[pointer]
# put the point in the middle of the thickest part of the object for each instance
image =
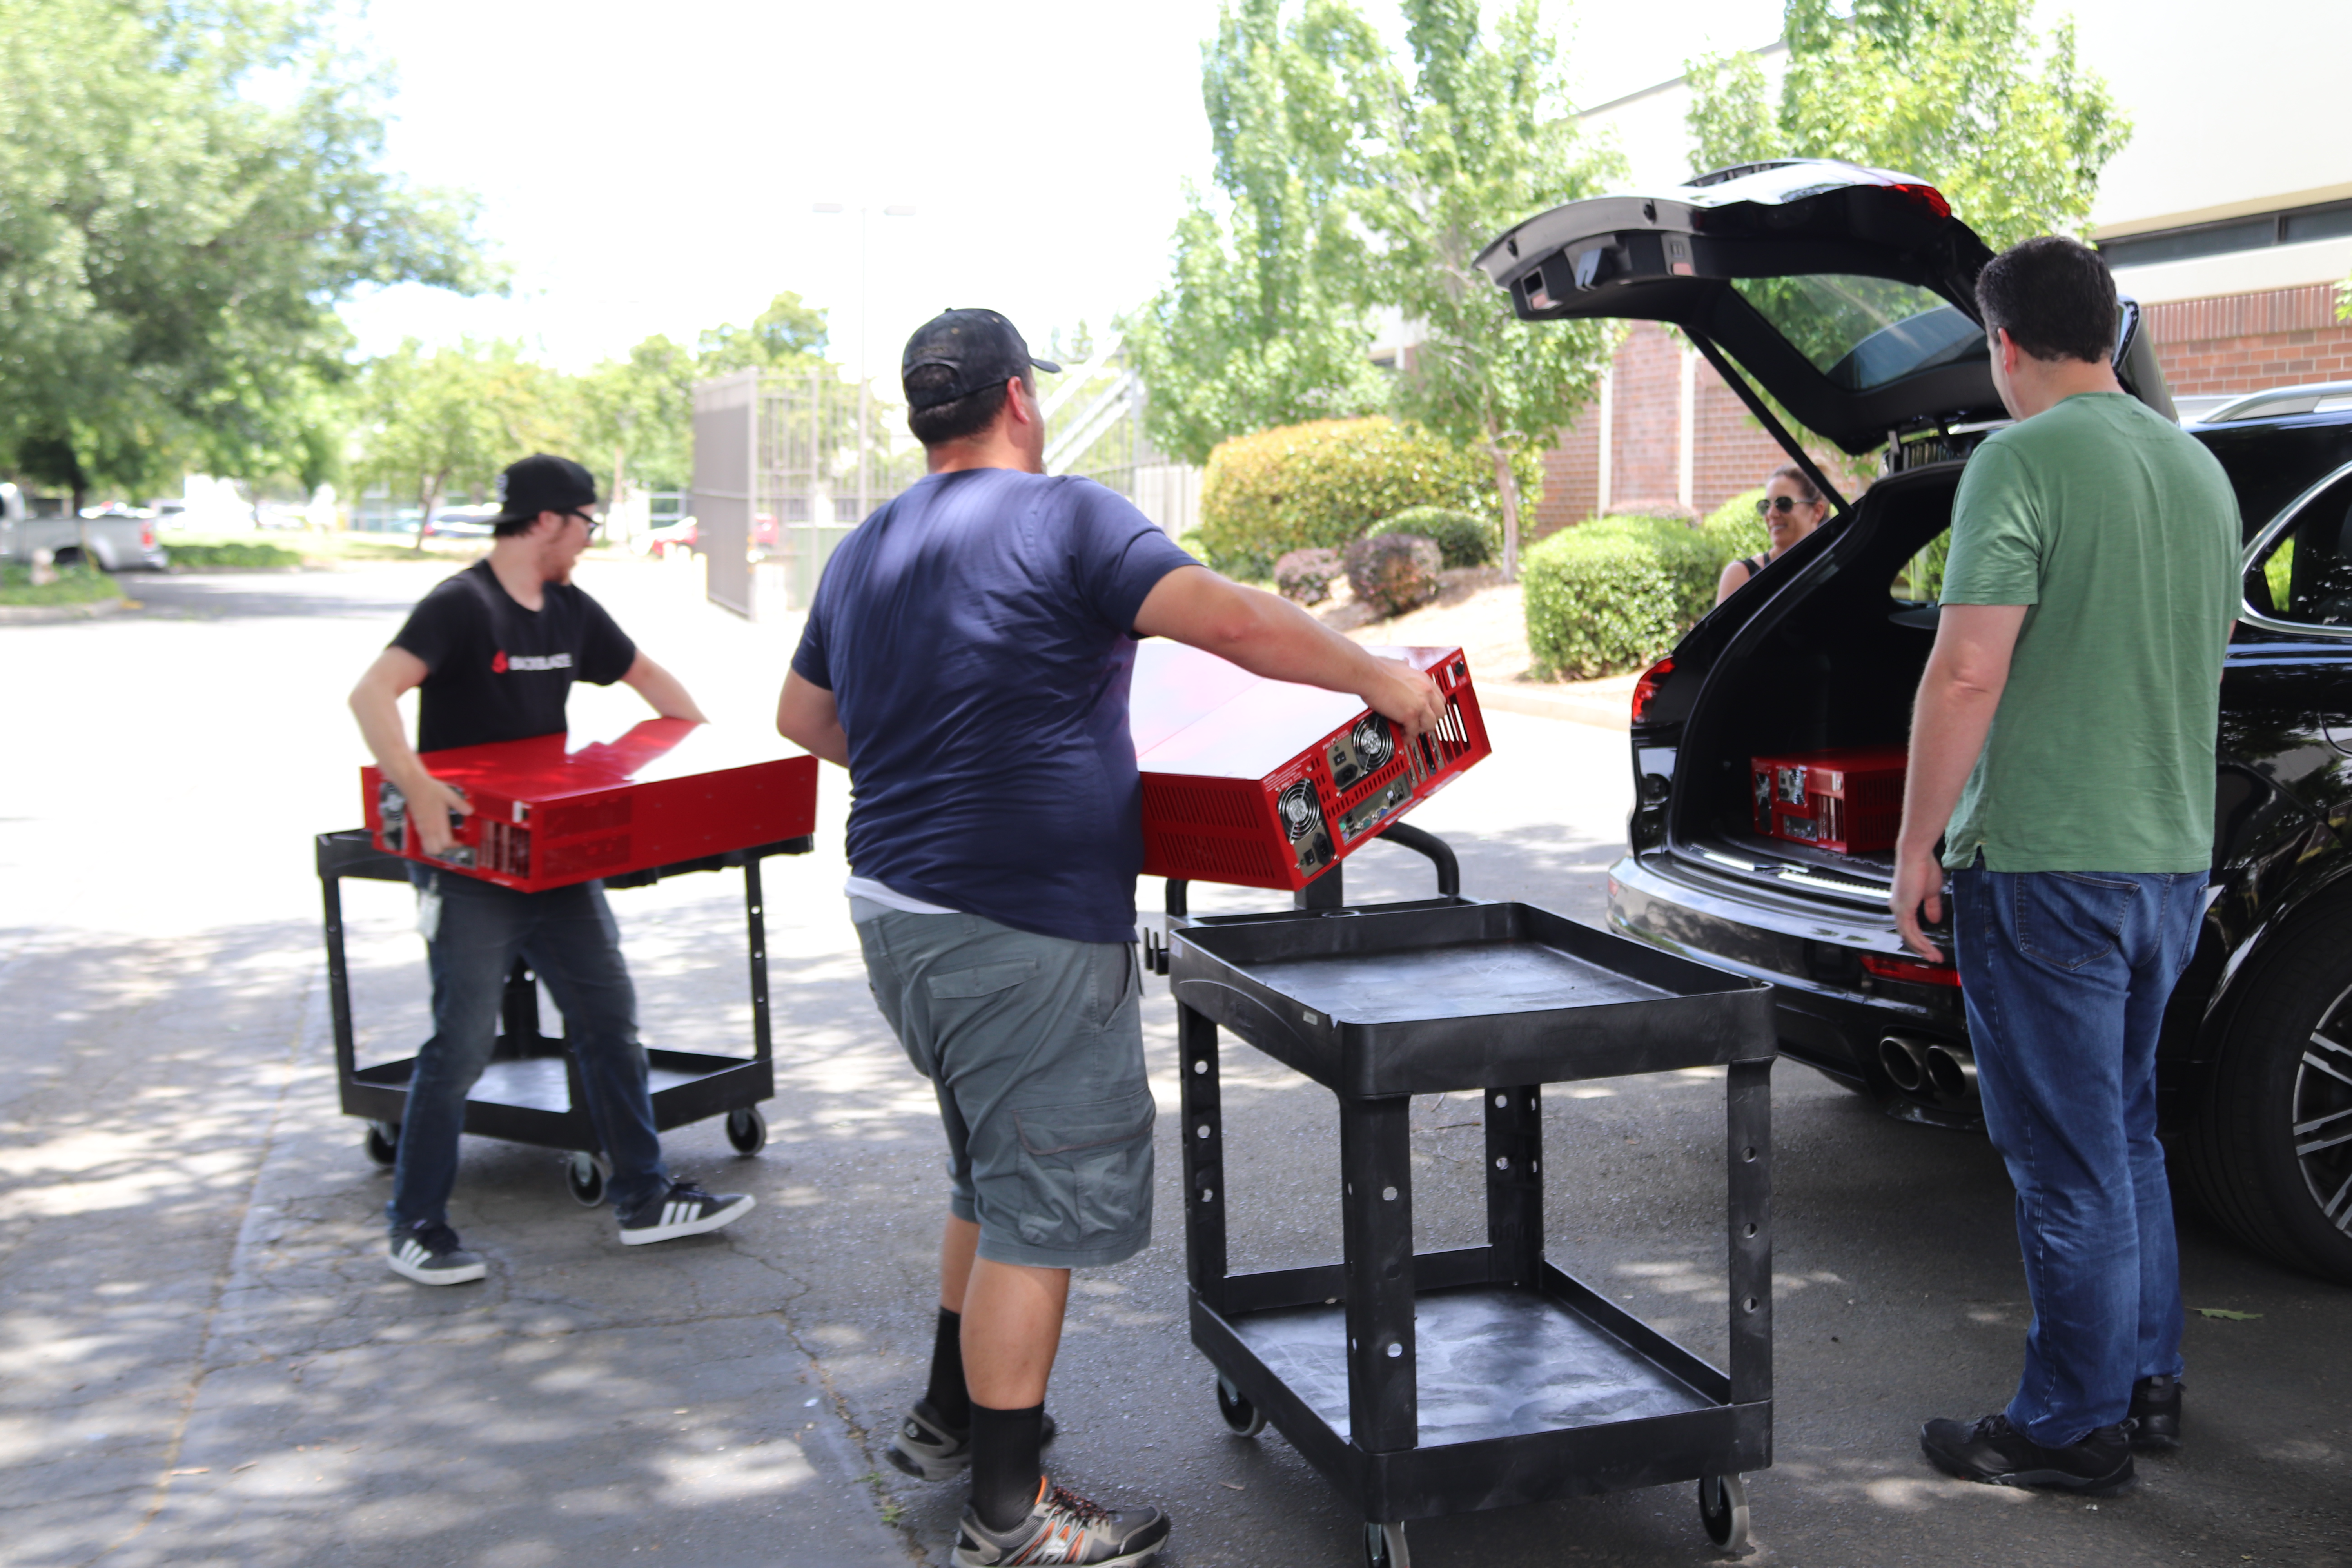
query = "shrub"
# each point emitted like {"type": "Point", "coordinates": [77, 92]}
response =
{"type": "Point", "coordinates": [1614, 596]}
{"type": "Point", "coordinates": [1324, 484]}
{"type": "Point", "coordinates": [1393, 572]}
{"type": "Point", "coordinates": [1462, 538]}
{"type": "Point", "coordinates": [1734, 528]}
{"type": "Point", "coordinates": [233, 552]}
{"type": "Point", "coordinates": [1304, 576]}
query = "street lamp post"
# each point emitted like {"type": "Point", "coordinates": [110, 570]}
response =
{"type": "Point", "coordinates": [865, 384]}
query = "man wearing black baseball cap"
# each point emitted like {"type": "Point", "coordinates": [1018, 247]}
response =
{"type": "Point", "coordinates": [495, 650]}
{"type": "Point", "coordinates": [967, 660]}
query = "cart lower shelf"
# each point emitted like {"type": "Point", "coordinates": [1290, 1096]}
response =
{"type": "Point", "coordinates": [1494, 1362]}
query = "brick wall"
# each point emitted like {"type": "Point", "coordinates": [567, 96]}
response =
{"type": "Point", "coordinates": [2244, 342]}
{"type": "Point", "coordinates": [1732, 453]}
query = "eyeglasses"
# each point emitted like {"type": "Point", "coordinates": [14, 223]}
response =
{"type": "Point", "coordinates": [594, 523]}
{"type": "Point", "coordinates": [1784, 505]}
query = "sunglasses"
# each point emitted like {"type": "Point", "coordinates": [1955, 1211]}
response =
{"type": "Point", "coordinates": [1784, 505]}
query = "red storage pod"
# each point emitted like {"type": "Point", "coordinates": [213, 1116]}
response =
{"type": "Point", "coordinates": [1848, 800]}
{"type": "Point", "coordinates": [1264, 783]}
{"type": "Point", "coordinates": [559, 809]}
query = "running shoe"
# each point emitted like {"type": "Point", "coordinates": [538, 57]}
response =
{"type": "Point", "coordinates": [929, 1450]}
{"type": "Point", "coordinates": [428, 1252]}
{"type": "Point", "coordinates": [1990, 1449]}
{"type": "Point", "coordinates": [1063, 1527]}
{"type": "Point", "coordinates": [684, 1210]}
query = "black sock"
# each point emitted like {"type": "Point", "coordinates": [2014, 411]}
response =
{"type": "Point", "coordinates": [1004, 1465]}
{"type": "Point", "coordinates": [947, 1397]}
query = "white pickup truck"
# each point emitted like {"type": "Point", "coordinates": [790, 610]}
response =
{"type": "Point", "coordinates": [114, 543]}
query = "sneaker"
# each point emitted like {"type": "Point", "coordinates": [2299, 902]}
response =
{"type": "Point", "coordinates": [2156, 1412]}
{"type": "Point", "coordinates": [929, 1450]}
{"type": "Point", "coordinates": [429, 1253]}
{"type": "Point", "coordinates": [1063, 1527]}
{"type": "Point", "coordinates": [684, 1210]}
{"type": "Point", "coordinates": [1990, 1449]}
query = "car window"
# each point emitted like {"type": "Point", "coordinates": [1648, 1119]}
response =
{"type": "Point", "coordinates": [1921, 581]}
{"type": "Point", "coordinates": [1864, 332]}
{"type": "Point", "coordinates": [2307, 576]}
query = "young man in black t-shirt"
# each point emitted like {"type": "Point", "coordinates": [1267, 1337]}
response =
{"type": "Point", "coordinates": [495, 650]}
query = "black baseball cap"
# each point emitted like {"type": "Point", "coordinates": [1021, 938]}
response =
{"type": "Point", "coordinates": [979, 346]}
{"type": "Point", "coordinates": [542, 483]}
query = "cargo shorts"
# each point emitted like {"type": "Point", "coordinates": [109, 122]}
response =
{"type": "Point", "coordinates": [1035, 1046]}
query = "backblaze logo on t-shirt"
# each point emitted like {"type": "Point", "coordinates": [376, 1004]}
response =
{"type": "Point", "coordinates": [501, 664]}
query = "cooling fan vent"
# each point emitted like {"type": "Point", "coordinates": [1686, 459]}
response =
{"type": "Point", "coordinates": [1375, 741]}
{"type": "Point", "coordinates": [1301, 813]}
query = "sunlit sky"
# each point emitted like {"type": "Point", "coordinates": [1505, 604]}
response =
{"type": "Point", "coordinates": [650, 169]}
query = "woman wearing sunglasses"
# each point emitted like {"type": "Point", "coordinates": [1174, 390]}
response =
{"type": "Point", "coordinates": [1791, 510]}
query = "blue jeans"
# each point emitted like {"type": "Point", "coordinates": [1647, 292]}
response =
{"type": "Point", "coordinates": [568, 938]}
{"type": "Point", "coordinates": [2067, 974]}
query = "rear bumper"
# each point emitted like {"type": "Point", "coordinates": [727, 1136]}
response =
{"type": "Point", "coordinates": [1830, 1014]}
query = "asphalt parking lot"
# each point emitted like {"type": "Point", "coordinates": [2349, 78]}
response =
{"type": "Point", "coordinates": [203, 1359]}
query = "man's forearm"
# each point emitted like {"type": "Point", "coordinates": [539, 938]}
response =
{"type": "Point", "coordinates": [386, 737]}
{"type": "Point", "coordinates": [1271, 637]}
{"type": "Point", "coordinates": [1948, 725]}
{"type": "Point", "coordinates": [662, 691]}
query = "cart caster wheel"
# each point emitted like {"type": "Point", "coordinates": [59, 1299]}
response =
{"type": "Point", "coordinates": [1384, 1546]}
{"type": "Point", "coordinates": [747, 1129]}
{"type": "Point", "coordinates": [585, 1174]}
{"type": "Point", "coordinates": [1723, 1508]}
{"type": "Point", "coordinates": [1241, 1418]}
{"type": "Point", "coordinates": [383, 1141]}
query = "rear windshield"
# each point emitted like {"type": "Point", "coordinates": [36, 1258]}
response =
{"type": "Point", "coordinates": [1864, 332]}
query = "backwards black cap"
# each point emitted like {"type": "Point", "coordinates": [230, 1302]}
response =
{"type": "Point", "coordinates": [542, 483]}
{"type": "Point", "coordinates": [980, 347]}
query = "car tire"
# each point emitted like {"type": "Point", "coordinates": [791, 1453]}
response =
{"type": "Point", "coordinates": [2270, 1077]}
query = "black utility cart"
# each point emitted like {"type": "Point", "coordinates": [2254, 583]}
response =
{"type": "Point", "coordinates": [529, 1093]}
{"type": "Point", "coordinates": [1430, 1384]}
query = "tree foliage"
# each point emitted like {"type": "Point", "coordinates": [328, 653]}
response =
{"type": "Point", "coordinates": [1964, 93]}
{"type": "Point", "coordinates": [439, 422]}
{"type": "Point", "coordinates": [1265, 320]}
{"type": "Point", "coordinates": [187, 189]}
{"type": "Point", "coordinates": [1481, 138]}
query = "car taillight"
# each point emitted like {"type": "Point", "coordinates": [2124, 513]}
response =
{"type": "Point", "coordinates": [1914, 970]}
{"type": "Point", "coordinates": [1928, 196]}
{"type": "Point", "coordinates": [146, 536]}
{"type": "Point", "coordinates": [1646, 689]}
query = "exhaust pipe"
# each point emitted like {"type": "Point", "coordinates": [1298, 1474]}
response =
{"type": "Point", "coordinates": [1905, 1062]}
{"type": "Point", "coordinates": [1952, 1075]}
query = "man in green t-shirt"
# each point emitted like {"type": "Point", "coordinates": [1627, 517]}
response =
{"type": "Point", "coordinates": [2061, 747]}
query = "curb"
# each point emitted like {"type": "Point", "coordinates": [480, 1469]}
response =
{"type": "Point", "coordinates": [88, 610]}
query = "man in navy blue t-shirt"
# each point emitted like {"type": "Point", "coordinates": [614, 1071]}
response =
{"type": "Point", "coordinates": [967, 660]}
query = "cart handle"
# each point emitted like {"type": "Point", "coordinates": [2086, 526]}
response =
{"type": "Point", "coordinates": [1440, 854]}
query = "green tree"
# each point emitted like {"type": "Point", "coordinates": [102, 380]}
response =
{"type": "Point", "coordinates": [1964, 93]}
{"type": "Point", "coordinates": [638, 412]}
{"type": "Point", "coordinates": [1264, 322]}
{"type": "Point", "coordinates": [187, 189]}
{"type": "Point", "coordinates": [434, 423]}
{"type": "Point", "coordinates": [1480, 139]}
{"type": "Point", "coordinates": [787, 336]}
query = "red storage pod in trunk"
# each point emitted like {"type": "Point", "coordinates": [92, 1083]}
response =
{"type": "Point", "coordinates": [1848, 800]}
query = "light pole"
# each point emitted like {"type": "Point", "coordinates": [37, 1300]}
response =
{"type": "Point", "coordinates": [864, 384]}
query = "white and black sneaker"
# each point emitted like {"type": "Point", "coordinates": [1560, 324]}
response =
{"type": "Point", "coordinates": [929, 1450]}
{"type": "Point", "coordinates": [684, 1210]}
{"type": "Point", "coordinates": [1063, 1527]}
{"type": "Point", "coordinates": [428, 1252]}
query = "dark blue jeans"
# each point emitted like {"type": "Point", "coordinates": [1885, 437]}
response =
{"type": "Point", "coordinates": [568, 938]}
{"type": "Point", "coordinates": [2067, 976]}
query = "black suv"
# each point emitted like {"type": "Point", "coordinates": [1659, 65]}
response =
{"type": "Point", "coordinates": [1846, 295]}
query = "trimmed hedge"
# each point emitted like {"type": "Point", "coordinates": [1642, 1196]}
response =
{"type": "Point", "coordinates": [1394, 572]}
{"type": "Point", "coordinates": [1463, 538]}
{"type": "Point", "coordinates": [1614, 596]}
{"type": "Point", "coordinates": [1325, 484]}
{"type": "Point", "coordinates": [235, 553]}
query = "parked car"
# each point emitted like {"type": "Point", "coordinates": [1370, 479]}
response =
{"type": "Point", "coordinates": [462, 522]}
{"type": "Point", "coordinates": [1847, 295]}
{"type": "Point", "coordinates": [666, 539]}
{"type": "Point", "coordinates": [114, 539]}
